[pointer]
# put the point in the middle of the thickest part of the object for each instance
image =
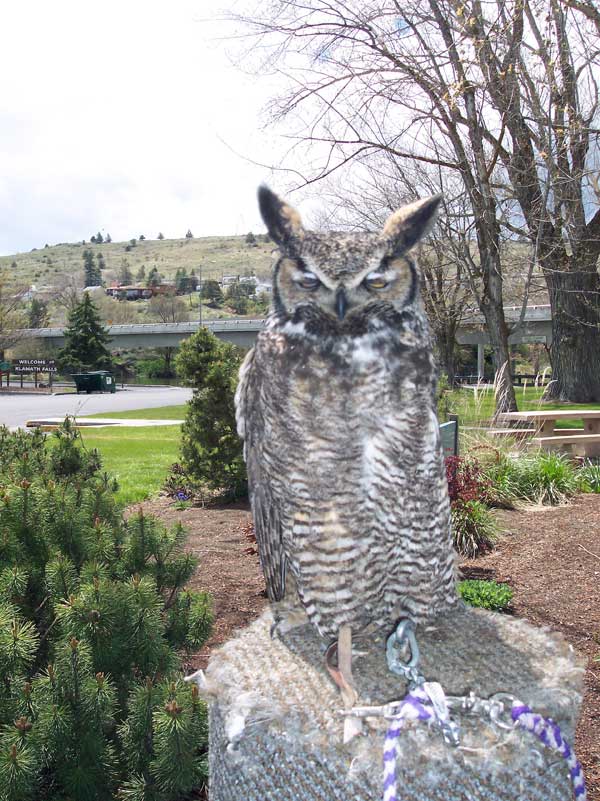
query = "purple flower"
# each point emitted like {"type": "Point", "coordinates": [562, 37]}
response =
{"type": "Point", "coordinates": [182, 496]}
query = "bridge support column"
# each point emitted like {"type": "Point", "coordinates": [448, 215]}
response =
{"type": "Point", "coordinates": [480, 361]}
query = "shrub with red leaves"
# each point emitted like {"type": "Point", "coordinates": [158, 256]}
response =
{"type": "Point", "coordinates": [466, 481]}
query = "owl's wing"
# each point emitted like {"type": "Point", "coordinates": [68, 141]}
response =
{"type": "Point", "coordinates": [266, 508]}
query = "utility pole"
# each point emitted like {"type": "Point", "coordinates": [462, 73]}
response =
{"type": "Point", "coordinates": [200, 298]}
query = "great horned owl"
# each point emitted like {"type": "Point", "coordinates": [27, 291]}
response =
{"type": "Point", "coordinates": [336, 404]}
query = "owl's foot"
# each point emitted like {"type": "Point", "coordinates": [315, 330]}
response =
{"type": "Point", "coordinates": [287, 617]}
{"type": "Point", "coordinates": [342, 675]}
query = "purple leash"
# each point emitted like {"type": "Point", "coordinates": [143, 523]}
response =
{"type": "Point", "coordinates": [426, 701]}
{"type": "Point", "coordinates": [413, 707]}
{"type": "Point", "coordinates": [416, 706]}
{"type": "Point", "coordinates": [548, 732]}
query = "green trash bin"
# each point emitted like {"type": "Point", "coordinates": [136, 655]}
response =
{"type": "Point", "coordinates": [96, 381]}
{"type": "Point", "coordinates": [105, 381]}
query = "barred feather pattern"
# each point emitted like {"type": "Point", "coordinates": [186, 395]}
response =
{"type": "Point", "coordinates": [346, 473]}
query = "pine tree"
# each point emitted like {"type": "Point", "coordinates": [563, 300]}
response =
{"type": "Point", "coordinates": [92, 276]}
{"type": "Point", "coordinates": [125, 275]}
{"type": "Point", "coordinates": [210, 446]}
{"type": "Point", "coordinates": [154, 277]}
{"type": "Point", "coordinates": [99, 238]}
{"type": "Point", "coordinates": [108, 239]}
{"type": "Point", "coordinates": [160, 235]}
{"type": "Point", "coordinates": [92, 612]}
{"type": "Point", "coordinates": [212, 292]}
{"type": "Point", "coordinates": [141, 273]}
{"type": "Point", "coordinates": [237, 296]}
{"type": "Point", "coordinates": [86, 340]}
{"type": "Point", "coordinates": [37, 316]}
{"type": "Point", "coordinates": [189, 234]}
{"type": "Point", "coordinates": [181, 281]}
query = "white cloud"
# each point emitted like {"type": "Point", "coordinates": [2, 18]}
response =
{"type": "Point", "coordinates": [114, 115]}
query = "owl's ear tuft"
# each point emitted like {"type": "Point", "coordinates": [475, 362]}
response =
{"type": "Point", "coordinates": [410, 223]}
{"type": "Point", "coordinates": [283, 222]}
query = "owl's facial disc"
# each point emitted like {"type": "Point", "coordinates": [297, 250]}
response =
{"type": "Point", "coordinates": [301, 285]}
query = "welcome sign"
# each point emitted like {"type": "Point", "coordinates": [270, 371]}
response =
{"type": "Point", "coordinates": [34, 366]}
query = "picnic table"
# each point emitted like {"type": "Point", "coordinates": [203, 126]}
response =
{"type": "Point", "coordinates": [579, 441]}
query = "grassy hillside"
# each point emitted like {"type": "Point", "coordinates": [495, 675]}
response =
{"type": "Point", "coordinates": [214, 255]}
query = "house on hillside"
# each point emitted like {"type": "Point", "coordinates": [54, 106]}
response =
{"type": "Point", "coordinates": [263, 286]}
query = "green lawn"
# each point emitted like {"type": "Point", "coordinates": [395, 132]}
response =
{"type": "Point", "coordinates": [160, 413]}
{"type": "Point", "coordinates": [476, 407]}
{"type": "Point", "coordinates": [139, 458]}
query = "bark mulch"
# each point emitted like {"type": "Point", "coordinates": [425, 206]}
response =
{"type": "Point", "coordinates": [550, 557]}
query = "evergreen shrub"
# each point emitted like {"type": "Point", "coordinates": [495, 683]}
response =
{"type": "Point", "coordinates": [93, 615]}
{"type": "Point", "coordinates": [212, 452]}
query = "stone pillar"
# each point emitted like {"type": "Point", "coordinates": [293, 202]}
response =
{"type": "Point", "coordinates": [276, 735]}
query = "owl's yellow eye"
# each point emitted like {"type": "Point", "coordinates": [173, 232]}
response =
{"type": "Point", "coordinates": [376, 281]}
{"type": "Point", "coordinates": [308, 280]}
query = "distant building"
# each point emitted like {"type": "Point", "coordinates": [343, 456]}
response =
{"type": "Point", "coordinates": [264, 286]}
{"type": "Point", "coordinates": [43, 292]}
{"type": "Point", "coordinates": [139, 292]}
{"type": "Point", "coordinates": [261, 285]}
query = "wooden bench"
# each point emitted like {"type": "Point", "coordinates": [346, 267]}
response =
{"type": "Point", "coordinates": [579, 444]}
{"type": "Point", "coordinates": [579, 441]}
{"type": "Point", "coordinates": [518, 433]}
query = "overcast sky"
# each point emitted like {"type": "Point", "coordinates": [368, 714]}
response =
{"type": "Point", "coordinates": [114, 116]}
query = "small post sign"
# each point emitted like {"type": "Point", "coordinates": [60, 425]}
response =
{"type": "Point", "coordinates": [449, 436]}
{"type": "Point", "coordinates": [5, 370]}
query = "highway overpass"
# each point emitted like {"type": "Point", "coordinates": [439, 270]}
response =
{"type": "Point", "coordinates": [536, 327]}
{"type": "Point", "coordinates": [160, 335]}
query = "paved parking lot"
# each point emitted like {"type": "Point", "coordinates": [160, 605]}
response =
{"type": "Point", "coordinates": [15, 410]}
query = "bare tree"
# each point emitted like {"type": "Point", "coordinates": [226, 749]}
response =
{"type": "Point", "coordinates": [539, 62]}
{"type": "Point", "coordinates": [116, 312]}
{"type": "Point", "coordinates": [68, 292]}
{"type": "Point", "coordinates": [449, 274]}
{"type": "Point", "coordinates": [372, 78]}
{"type": "Point", "coordinates": [503, 94]}
{"type": "Point", "coordinates": [168, 308]}
{"type": "Point", "coordinates": [13, 317]}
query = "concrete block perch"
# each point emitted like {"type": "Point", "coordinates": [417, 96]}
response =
{"type": "Point", "coordinates": [276, 733]}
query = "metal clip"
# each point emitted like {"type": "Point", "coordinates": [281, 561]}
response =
{"type": "Point", "coordinates": [389, 711]}
{"type": "Point", "coordinates": [502, 704]}
{"type": "Point", "coordinates": [450, 729]}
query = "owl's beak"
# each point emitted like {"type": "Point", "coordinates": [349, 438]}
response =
{"type": "Point", "coordinates": [341, 303]}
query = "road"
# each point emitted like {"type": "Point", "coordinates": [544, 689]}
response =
{"type": "Point", "coordinates": [16, 409]}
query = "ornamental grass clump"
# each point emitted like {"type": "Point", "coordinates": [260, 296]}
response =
{"type": "Point", "coordinates": [588, 476]}
{"type": "Point", "coordinates": [93, 617]}
{"type": "Point", "coordinates": [474, 527]}
{"type": "Point", "coordinates": [546, 479]}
